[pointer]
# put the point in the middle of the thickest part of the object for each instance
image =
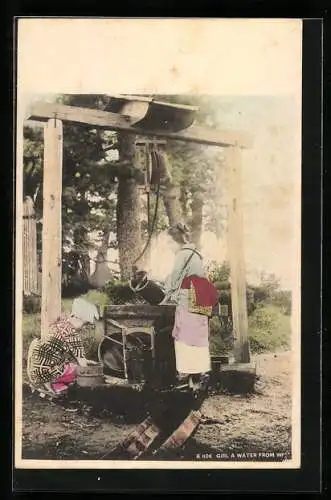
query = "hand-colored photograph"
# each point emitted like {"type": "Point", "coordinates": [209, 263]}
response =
{"type": "Point", "coordinates": [158, 249]}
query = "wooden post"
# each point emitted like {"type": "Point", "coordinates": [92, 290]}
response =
{"type": "Point", "coordinates": [236, 256]}
{"type": "Point", "coordinates": [52, 237]}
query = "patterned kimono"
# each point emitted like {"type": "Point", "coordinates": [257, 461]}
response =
{"type": "Point", "coordinates": [191, 331]}
{"type": "Point", "coordinates": [53, 359]}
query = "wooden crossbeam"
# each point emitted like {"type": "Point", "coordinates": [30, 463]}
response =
{"type": "Point", "coordinates": [114, 121]}
{"type": "Point", "coordinates": [143, 142]}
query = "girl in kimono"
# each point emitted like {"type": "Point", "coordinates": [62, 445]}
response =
{"type": "Point", "coordinates": [188, 287]}
{"type": "Point", "coordinates": [53, 360]}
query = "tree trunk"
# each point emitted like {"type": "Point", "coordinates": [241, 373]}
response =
{"type": "Point", "coordinates": [197, 211]}
{"type": "Point", "coordinates": [170, 191]}
{"type": "Point", "coordinates": [82, 245]}
{"type": "Point", "coordinates": [102, 273]}
{"type": "Point", "coordinates": [128, 216]}
{"type": "Point", "coordinates": [183, 202]}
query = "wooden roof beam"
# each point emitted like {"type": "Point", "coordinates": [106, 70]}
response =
{"type": "Point", "coordinates": [42, 111]}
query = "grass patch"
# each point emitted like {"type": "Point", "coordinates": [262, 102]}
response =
{"type": "Point", "coordinates": [269, 329]}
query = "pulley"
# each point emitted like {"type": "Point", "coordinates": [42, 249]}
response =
{"type": "Point", "coordinates": [149, 155]}
{"type": "Point", "coordinates": [151, 161]}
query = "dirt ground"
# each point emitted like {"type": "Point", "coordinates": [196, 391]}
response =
{"type": "Point", "coordinates": [238, 427]}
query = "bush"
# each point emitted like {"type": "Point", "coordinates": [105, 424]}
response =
{"type": "Point", "coordinates": [269, 329]}
{"type": "Point", "coordinates": [283, 299]}
{"type": "Point", "coordinates": [119, 292]}
{"type": "Point", "coordinates": [260, 293]}
{"type": "Point", "coordinates": [220, 335]}
{"type": "Point", "coordinates": [31, 304]}
{"type": "Point", "coordinates": [30, 331]}
{"type": "Point", "coordinates": [219, 273]}
{"type": "Point", "coordinates": [220, 276]}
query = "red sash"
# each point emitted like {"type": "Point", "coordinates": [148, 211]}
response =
{"type": "Point", "coordinates": [205, 291]}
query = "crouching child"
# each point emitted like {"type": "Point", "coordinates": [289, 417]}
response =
{"type": "Point", "coordinates": [53, 360]}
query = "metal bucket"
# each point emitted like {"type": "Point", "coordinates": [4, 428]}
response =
{"type": "Point", "coordinates": [147, 289]}
{"type": "Point", "coordinates": [137, 353]}
{"type": "Point", "coordinates": [90, 376]}
{"type": "Point", "coordinates": [110, 354]}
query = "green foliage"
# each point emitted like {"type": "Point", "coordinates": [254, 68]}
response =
{"type": "Point", "coordinates": [269, 329]}
{"type": "Point", "coordinates": [88, 183]}
{"type": "Point", "coordinates": [268, 310]}
{"type": "Point", "coordinates": [119, 292]}
{"type": "Point", "coordinates": [260, 294]}
{"type": "Point", "coordinates": [220, 276]}
{"type": "Point", "coordinates": [219, 273]}
{"type": "Point", "coordinates": [89, 187]}
{"type": "Point", "coordinates": [220, 334]}
{"type": "Point", "coordinates": [31, 304]}
{"type": "Point", "coordinates": [220, 328]}
{"type": "Point", "coordinates": [33, 152]}
{"type": "Point", "coordinates": [283, 299]}
{"type": "Point", "coordinates": [269, 292]}
{"type": "Point", "coordinates": [30, 330]}
{"type": "Point", "coordinates": [270, 284]}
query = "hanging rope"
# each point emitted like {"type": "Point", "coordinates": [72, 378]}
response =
{"type": "Point", "coordinates": [155, 162]}
{"type": "Point", "coordinates": [153, 167]}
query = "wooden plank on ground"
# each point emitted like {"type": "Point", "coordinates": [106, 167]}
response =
{"type": "Point", "coordinates": [238, 367]}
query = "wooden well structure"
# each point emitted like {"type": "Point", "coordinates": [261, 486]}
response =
{"type": "Point", "coordinates": [142, 117]}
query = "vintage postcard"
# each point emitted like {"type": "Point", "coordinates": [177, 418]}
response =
{"type": "Point", "coordinates": [158, 243]}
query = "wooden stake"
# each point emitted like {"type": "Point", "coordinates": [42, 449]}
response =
{"type": "Point", "coordinates": [52, 231]}
{"type": "Point", "coordinates": [236, 256]}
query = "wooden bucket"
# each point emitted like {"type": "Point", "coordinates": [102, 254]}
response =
{"type": "Point", "coordinates": [147, 289]}
{"type": "Point", "coordinates": [90, 376]}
